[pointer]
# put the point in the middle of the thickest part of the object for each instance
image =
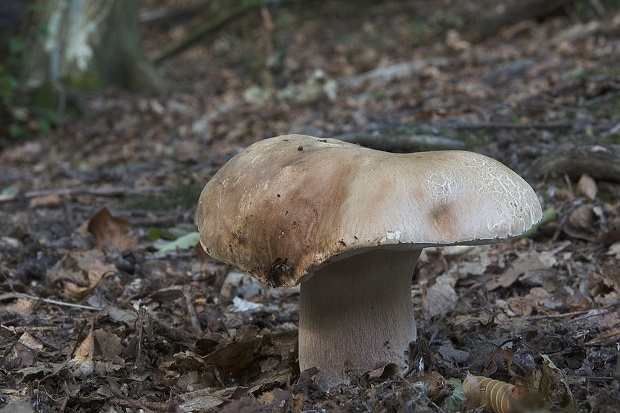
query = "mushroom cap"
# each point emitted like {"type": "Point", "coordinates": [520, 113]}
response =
{"type": "Point", "coordinates": [286, 206]}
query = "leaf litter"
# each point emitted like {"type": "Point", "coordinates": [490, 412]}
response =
{"type": "Point", "coordinates": [94, 316]}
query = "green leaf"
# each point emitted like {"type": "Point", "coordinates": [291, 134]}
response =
{"type": "Point", "coordinates": [549, 215]}
{"type": "Point", "coordinates": [187, 241]}
{"type": "Point", "coordinates": [456, 400]}
{"type": "Point", "coordinates": [555, 386]}
{"type": "Point", "coordinates": [154, 233]}
{"type": "Point", "coordinates": [10, 192]}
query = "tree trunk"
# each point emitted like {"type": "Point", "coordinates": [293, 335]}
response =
{"type": "Point", "coordinates": [90, 44]}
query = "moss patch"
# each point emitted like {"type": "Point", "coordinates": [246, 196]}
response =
{"type": "Point", "coordinates": [183, 197]}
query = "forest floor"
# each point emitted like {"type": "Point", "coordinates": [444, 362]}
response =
{"type": "Point", "coordinates": [103, 308]}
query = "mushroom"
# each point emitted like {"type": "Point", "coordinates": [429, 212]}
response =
{"type": "Point", "coordinates": [348, 223]}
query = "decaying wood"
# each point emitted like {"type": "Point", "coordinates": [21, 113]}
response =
{"type": "Point", "coordinates": [401, 141]}
{"type": "Point", "coordinates": [409, 139]}
{"type": "Point", "coordinates": [517, 12]}
{"type": "Point", "coordinates": [510, 125]}
{"type": "Point", "coordinates": [598, 161]}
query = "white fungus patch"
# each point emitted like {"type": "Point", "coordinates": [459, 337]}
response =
{"type": "Point", "coordinates": [390, 235]}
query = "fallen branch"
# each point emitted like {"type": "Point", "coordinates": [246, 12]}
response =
{"type": "Point", "coordinates": [587, 313]}
{"type": "Point", "coordinates": [601, 162]}
{"type": "Point", "coordinates": [509, 125]}
{"type": "Point", "coordinates": [9, 296]}
{"type": "Point", "coordinates": [106, 191]}
{"type": "Point", "coordinates": [515, 13]}
{"type": "Point", "coordinates": [400, 141]}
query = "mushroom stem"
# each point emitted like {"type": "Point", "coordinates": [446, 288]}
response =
{"type": "Point", "coordinates": [356, 314]}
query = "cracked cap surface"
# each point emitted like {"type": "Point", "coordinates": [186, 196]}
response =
{"type": "Point", "coordinates": [288, 205]}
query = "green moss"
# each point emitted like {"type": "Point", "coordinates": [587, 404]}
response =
{"type": "Point", "coordinates": [605, 106]}
{"type": "Point", "coordinates": [476, 138]}
{"type": "Point", "coordinates": [85, 81]}
{"type": "Point", "coordinates": [606, 195]}
{"type": "Point", "coordinates": [580, 74]}
{"type": "Point", "coordinates": [44, 96]}
{"type": "Point", "coordinates": [381, 96]}
{"type": "Point", "coordinates": [183, 197]}
{"type": "Point", "coordinates": [611, 139]}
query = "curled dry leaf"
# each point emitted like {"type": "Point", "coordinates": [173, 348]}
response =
{"type": "Point", "coordinates": [496, 395]}
{"type": "Point", "coordinates": [108, 229]}
{"type": "Point", "coordinates": [472, 391]}
{"type": "Point", "coordinates": [383, 373]}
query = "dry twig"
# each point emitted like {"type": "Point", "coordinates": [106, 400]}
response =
{"type": "Point", "coordinates": [9, 296]}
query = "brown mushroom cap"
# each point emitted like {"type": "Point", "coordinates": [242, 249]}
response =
{"type": "Point", "coordinates": [286, 206]}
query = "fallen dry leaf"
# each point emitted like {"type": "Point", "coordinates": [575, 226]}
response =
{"type": "Point", "coordinates": [81, 271]}
{"type": "Point", "coordinates": [586, 186]}
{"type": "Point", "coordinates": [86, 349]}
{"type": "Point", "coordinates": [19, 355]}
{"type": "Point", "coordinates": [22, 306]}
{"type": "Point", "coordinates": [108, 229]}
{"type": "Point", "coordinates": [46, 201]}
{"type": "Point", "coordinates": [581, 219]}
{"type": "Point", "coordinates": [233, 357]}
{"type": "Point", "coordinates": [436, 385]}
{"type": "Point", "coordinates": [109, 344]}
{"type": "Point", "coordinates": [614, 249]}
{"type": "Point", "coordinates": [440, 297]}
{"type": "Point", "coordinates": [527, 261]}
{"type": "Point", "coordinates": [523, 306]}
{"type": "Point", "coordinates": [83, 356]}
{"type": "Point", "coordinates": [30, 341]}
